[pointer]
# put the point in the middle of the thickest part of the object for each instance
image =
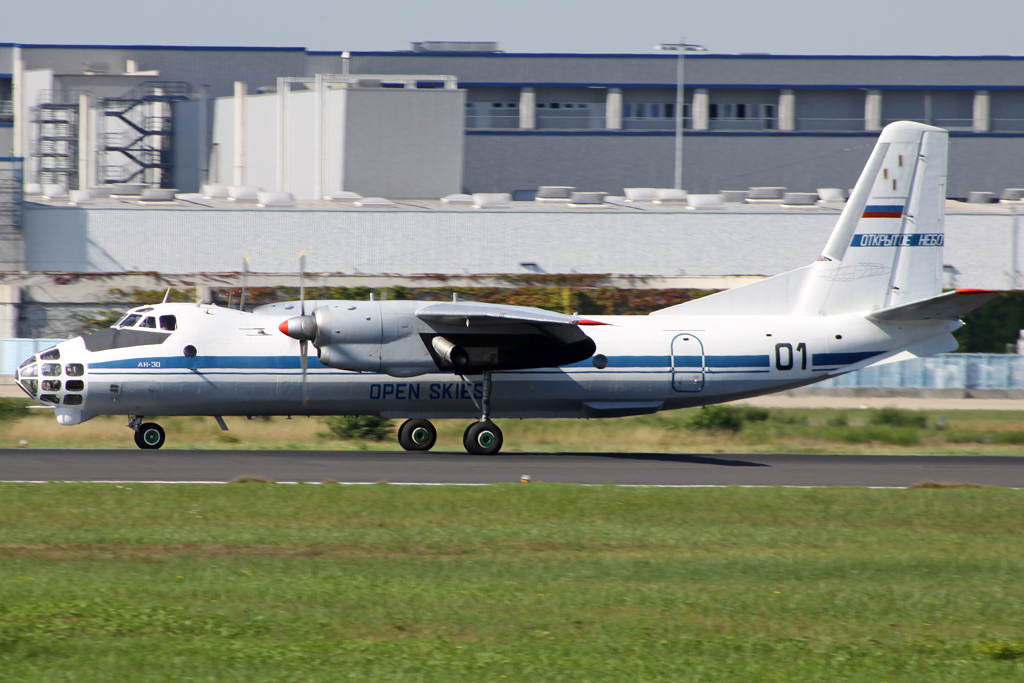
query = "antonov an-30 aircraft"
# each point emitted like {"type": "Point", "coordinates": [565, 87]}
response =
{"type": "Point", "coordinates": [872, 296]}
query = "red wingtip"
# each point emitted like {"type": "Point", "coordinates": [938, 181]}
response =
{"type": "Point", "coordinates": [977, 291]}
{"type": "Point", "coordinates": [592, 322]}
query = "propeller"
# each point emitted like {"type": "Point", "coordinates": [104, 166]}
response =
{"type": "Point", "coordinates": [301, 327]}
{"type": "Point", "coordinates": [246, 264]}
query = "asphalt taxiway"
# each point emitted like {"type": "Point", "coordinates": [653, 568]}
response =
{"type": "Point", "coordinates": [651, 469]}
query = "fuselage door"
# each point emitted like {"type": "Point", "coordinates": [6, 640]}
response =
{"type": "Point", "coordinates": [687, 363]}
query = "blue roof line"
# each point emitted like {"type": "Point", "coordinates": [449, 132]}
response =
{"type": "Point", "coordinates": [213, 48]}
{"type": "Point", "coordinates": [737, 86]}
{"type": "Point", "coordinates": [693, 55]}
{"type": "Point", "coordinates": [583, 55]}
{"type": "Point", "coordinates": [722, 133]}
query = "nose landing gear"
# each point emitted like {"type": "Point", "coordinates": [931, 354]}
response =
{"type": "Point", "coordinates": [148, 435]}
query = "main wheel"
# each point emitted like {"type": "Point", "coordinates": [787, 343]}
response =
{"type": "Point", "coordinates": [482, 438]}
{"type": "Point", "coordinates": [150, 435]}
{"type": "Point", "coordinates": [417, 435]}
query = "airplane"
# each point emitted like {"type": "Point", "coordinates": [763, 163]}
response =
{"type": "Point", "coordinates": [872, 296]}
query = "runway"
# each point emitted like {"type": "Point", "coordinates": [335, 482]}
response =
{"type": "Point", "coordinates": [651, 469]}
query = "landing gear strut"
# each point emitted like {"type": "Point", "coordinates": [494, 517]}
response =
{"type": "Point", "coordinates": [483, 436]}
{"type": "Point", "coordinates": [148, 435]}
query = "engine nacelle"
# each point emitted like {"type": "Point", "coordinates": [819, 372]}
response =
{"type": "Point", "coordinates": [372, 336]}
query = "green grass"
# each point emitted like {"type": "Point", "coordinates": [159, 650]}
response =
{"type": "Point", "coordinates": [267, 582]}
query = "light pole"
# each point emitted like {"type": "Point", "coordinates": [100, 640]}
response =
{"type": "Point", "coordinates": [680, 48]}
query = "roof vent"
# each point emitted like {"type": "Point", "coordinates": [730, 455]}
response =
{"type": "Point", "coordinates": [487, 200]}
{"type": "Point", "coordinates": [666, 195]}
{"type": "Point", "coordinates": [640, 194]}
{"type": "Point", "coordinates": [554, 193]}
{"type": "Point", "coordinates": [455, 46]}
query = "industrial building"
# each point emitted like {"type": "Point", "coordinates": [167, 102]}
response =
{"type": "Point", "coordinates": [596, 122]}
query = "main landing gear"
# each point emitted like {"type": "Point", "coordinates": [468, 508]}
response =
{"type": "Point", "coordinates": [148, 435]}
{"type": "Point", "coordinates": [480, 438]}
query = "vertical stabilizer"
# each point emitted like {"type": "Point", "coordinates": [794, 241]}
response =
{"type": "Point", "coordinates": [886, 248]}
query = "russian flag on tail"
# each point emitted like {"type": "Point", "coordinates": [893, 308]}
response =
{"type": "Point", "coordinates": [883, 211]}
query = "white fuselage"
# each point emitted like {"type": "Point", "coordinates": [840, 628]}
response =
{"type": "Point", "coordinates": [244, 366]}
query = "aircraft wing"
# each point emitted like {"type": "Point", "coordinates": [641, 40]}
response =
{"type": "Point", "coordinates": [948, 306]}
{"type": "Point", "coordinates": [561, 327]}
{"type": "Point", "coordinates": [457, 313]}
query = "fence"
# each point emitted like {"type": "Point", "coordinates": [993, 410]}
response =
{"type": "Point", "coordinates": [978, 371]}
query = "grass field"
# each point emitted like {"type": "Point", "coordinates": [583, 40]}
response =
{"type": "Point", "coordinates": [269, 582]}
{"type": "Point", "coordinates": [781, 430]}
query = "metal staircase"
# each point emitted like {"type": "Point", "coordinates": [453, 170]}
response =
{"type": "Point", "coordinates": [55, 149]}
{"type": "Point", "coordinates": [138, 128]}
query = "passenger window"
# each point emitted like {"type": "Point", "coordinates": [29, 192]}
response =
{"type": "Point", "coordinates": [168, 322]}
{"type": "Point", "coordinates": [51, 385]}
{"type": "Point", "coordinates": [51, 354]}
{"type": "Point", "coordinates": [51, 369]}
{"type": "Point", "coordinates": [130, 320]}
{"type": "Point", "coordinates": [150, 322]}
{"type": "Point", "coordinates": [74, 385]}
{"type": "Point", "coordinates": [74, 369]}
{"type": "Point", "coordinates": [73, 400]}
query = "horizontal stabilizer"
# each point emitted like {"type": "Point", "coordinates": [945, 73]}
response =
{"type": "Point", "coordinates": [949, 306]}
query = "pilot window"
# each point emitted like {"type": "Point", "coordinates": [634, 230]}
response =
{"type": "Point", "coordinates": [51, 369]}
{"type": "Point", "coordinates": [129, 321]}
{"type": "Point", "coordinates": [168, 322]}
{"type": "Point", "coordinates": [150, 322]}
{"type": "Point", "coordinates": [52, 354]}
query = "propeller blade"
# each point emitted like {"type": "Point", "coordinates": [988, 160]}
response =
{"type": "Point", "coordinates": [304, 362]}
{"type": "Point", "coordinates": [245, 279]}
{"type": "Point", "coordinates": [302, 281]}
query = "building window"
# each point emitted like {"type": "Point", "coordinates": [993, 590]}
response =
{"type": "Point", "coordinates": [713, 111]}
{"type": "Point", "coordinates": [741, 111]}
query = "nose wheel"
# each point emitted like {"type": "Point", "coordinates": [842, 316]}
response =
{"type": "Point", "coordinates": [148, 435]}
{"type": "Point", "coordinates": [483, 436]}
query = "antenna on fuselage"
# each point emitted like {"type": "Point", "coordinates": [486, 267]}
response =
{"type": "Point", "coordinates": [167, 295]}
{"type": "Point", "coordinates": [245, 279]}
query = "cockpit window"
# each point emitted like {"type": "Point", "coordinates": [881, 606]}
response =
{"type": "Point", "coordinates": [75, 369]}
{"type": "Point", "coordinates": [50, 354]}
{"type": "Point", "coordinates": [51, 369]}
{"type": "Point", "coordinates": [150, 322]}
{"type": "Point", "coordinates": [129, 320]}
{"type": "Point", "coordinates": [168, 322]}
{"type": "Point", "coordinates": [30, 371]}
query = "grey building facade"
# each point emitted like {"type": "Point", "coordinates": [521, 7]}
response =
{"type": "Point", "coordinates": [605, 122]}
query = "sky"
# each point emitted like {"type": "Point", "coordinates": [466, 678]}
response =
{"type": "Point", "coordinates": [868, 27]}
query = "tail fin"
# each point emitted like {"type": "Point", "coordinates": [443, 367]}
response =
{"type": "Point", "coordinates": [886, 248]}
